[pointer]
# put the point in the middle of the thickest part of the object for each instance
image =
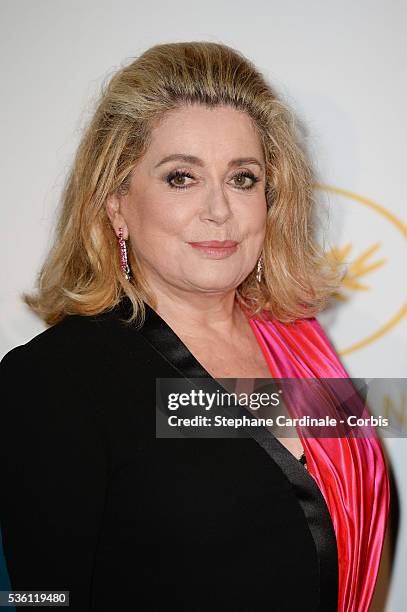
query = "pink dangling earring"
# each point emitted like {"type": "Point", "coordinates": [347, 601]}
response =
{"type": "Point", "coordinates": [259, 269]}
{"type": "Point", "coordinates": [123, 255]}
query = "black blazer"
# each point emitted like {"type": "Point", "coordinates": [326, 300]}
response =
{"type": "Point", "coordinates": [93, 503]}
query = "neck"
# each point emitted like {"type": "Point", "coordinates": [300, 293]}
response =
{"type": "Point", "coordinates": [198, 314]}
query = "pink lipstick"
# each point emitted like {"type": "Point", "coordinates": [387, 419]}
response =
{"type": "Point", "coordinates": [216, 249]}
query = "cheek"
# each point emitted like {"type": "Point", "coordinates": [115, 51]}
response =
{"type": "Point", "coordinates": [154, 217]}
{"type": "Point", "coordinates": [255, 219]}
{"type": "Point", "coordinates": [173, 220]}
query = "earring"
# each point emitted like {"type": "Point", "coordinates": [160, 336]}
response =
{"type": "Point", "coordinates": [259, 269]}
{"type": "Point", "coordinates": [123, 255]}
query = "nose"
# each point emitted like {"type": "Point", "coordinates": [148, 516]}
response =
{"type": "Point", "coordinates": [216, 207]}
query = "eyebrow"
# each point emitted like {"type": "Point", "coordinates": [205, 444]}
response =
{"type": "Point", "coordinates": [197, 161]}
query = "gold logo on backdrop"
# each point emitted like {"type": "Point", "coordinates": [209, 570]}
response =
{"type": "Point", "coordinates": [391, 409]}
{"type": "Point", "coordinates": [357, 269]}
{"type": "Point", "coordinates": [364, 264]}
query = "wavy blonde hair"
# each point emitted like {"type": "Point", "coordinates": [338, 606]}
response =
{"type": "Point", "coordinates": [82, 273]}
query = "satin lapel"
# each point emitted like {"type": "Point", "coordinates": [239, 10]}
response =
{"type": "Point", "coordinates": [166, 342]}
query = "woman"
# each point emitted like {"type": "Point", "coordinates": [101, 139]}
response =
{"type": "Point", "coordinates": [184, 249]}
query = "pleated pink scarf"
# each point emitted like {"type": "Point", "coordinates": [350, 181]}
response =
{"type": "Point", "coordinates": [350, 472]}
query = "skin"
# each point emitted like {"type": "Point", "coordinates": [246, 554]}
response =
{"type": "Point", "coordinates": [196, 294]}
{"type": "Point", "coordinates": [160, 220]}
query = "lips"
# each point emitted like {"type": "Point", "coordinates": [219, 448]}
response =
{"type": "Point", "coordinates": [219, 244]}
{"type": "Point", "coordinates": [215, 249]}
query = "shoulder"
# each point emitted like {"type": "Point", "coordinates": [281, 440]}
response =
{"type": "Point", "coordinates": [308, 327]}
{"type": "Point", "coordinates": [77, 366]}
{"type": "Point", "coordinates": [49, 362]}
{"type": "Point", "coordinates": [70, 331]}
{"type": "Point", "coordinates": [312, 328]}
{"type": "Point", "coordinates": [66, 374]}
{"type": "Point", "coordinates": [54, 422]}
{"type": "Point", "coordinates": [75, 341]}
{"type": "Point", "coordinates": [47, 351]}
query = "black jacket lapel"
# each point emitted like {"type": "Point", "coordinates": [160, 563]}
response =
{"type": "Point", "coordinates": [166, 342]}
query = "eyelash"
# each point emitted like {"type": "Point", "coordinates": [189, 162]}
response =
{"type": "Point", "coordinates": [183, 173]}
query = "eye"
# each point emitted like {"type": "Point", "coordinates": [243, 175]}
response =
{"type": "Point", "coordinates": [176, 179]}
{"type": "Point", "coordinates": [245, 179]}
{"type": "Point", "coordinates": [242, 176]}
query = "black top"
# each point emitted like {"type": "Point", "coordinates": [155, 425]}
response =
{"type": "Point", "coordinates": [93, 503]}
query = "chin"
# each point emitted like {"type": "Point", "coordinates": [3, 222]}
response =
{"type": "Point", "coordinates": [213, 285]}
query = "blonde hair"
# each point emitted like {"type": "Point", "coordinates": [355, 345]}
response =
{"type": "Point", "coordinates": [82, 273]}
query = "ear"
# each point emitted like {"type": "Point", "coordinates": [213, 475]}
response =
{"type": "Point", "coordinates": [116, 218]}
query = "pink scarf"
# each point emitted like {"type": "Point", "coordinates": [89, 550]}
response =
{"type": "Point", "coordinates": [350, 472]}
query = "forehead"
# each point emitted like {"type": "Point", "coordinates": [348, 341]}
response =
{"type": "Point", "coordinates": [219, 132]}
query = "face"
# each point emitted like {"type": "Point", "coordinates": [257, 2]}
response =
{"type": "Point", "coordinates": [195, 210]}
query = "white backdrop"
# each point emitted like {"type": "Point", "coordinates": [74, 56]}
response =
{"type": "Point", "coordinates": [340, 65]}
